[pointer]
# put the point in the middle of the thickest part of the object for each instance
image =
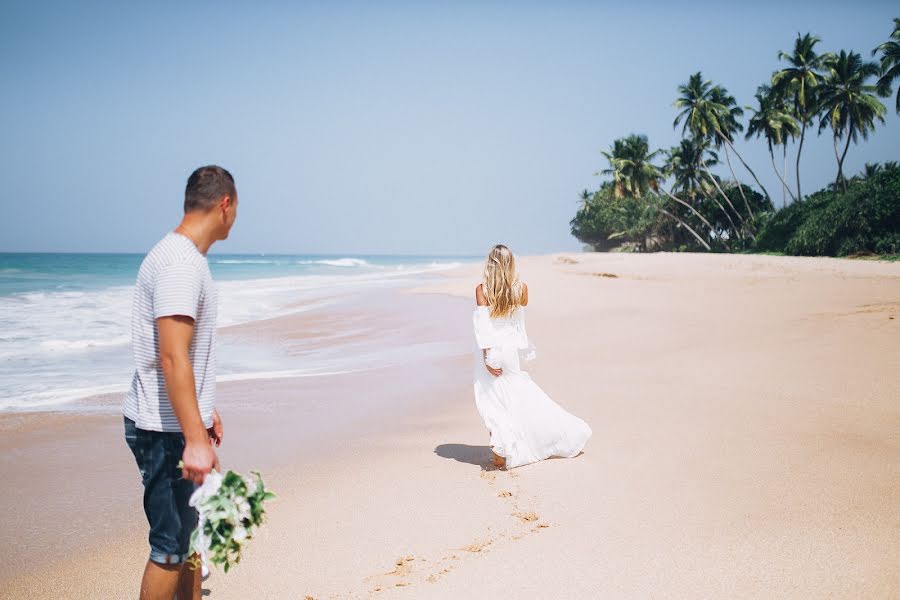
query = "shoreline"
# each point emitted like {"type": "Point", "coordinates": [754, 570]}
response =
{"type": "Point", "coordinates": [744, 415]}
{"type": "Point", "coordinates": [64, 345]}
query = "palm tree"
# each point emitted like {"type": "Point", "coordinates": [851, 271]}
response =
{"type": "Point", "coordinates": [711, 113]}
{"type": "Point", "coordinates": [890, 64]}
{"type": "Point", "coordinates": [584, 198]}
{"type": "Point", "coordinates": [847, 103]}
{"type": "Point", "coordinates": [890, 165]}
{"type": "Point", "coordinates": [706, 115]}
{"type": "Point", "coordinates": [799, 81]}
{"type": "Point", "coordinates": [684, 163]}
{"type": "Point", "coordinates": [869, 171]}
{"type": "Point", "coordinates": [731, 126]}
{"type": "Point", "coordinates": [728, 126]}
{"type": "Point", "coordinates": [776, 122]}
{"type": "Point", "coordinates": [631, 168]}
{"type": "Point", "coordinates": [634, 175]}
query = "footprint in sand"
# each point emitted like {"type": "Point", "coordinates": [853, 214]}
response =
{"type": "Point", "coordinates": [477, 546]}
{"type": "Point", "coordinates": [527, 517]}
{"type": "Point", "coordinates": [402, 570]}
{"type": "Point", "coordinates": [402, 566]}
{"type": "Point", "coordinates": [434, 577]}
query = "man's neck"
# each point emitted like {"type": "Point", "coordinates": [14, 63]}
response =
{"type": "Point", "coordinates": [198, 231]}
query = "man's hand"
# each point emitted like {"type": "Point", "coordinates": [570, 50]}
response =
{"type": "Point", "coordinates": [198, 460]}
{"type": "Point", "coordinates": [216, 432]}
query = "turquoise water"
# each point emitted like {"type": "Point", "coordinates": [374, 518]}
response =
{"type": "Point", "coordinates": [65, 318]}
{"type": "Point", "coordinates": [47, 272]}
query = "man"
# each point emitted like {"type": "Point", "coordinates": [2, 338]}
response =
{"type": "Point", "coordinates": [169, 411]}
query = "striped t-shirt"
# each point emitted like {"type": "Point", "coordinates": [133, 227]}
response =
{"type": "Point", "coordinates": [174, 279]}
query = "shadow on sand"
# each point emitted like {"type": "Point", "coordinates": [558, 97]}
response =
{"type": "Point", "coordinates": [480, 456]}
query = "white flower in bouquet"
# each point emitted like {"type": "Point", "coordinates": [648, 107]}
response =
{"type": "Point", "coordinates": [230, 508]}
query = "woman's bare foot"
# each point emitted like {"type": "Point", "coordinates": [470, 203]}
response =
{"type": "Point", "coordinates": [498, 461]}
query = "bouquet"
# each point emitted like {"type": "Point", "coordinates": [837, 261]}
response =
{"type": "Point", "coordinates": [230, 507]}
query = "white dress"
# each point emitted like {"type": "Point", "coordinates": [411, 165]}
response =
{"type": "Point", "coordinates": [525, 424]}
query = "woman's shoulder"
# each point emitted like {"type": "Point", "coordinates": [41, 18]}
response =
{"type": "Point", "coordinates": [480, 298]}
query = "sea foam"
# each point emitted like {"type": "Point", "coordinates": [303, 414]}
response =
{"type": "Point", "coordinates": [58, 347]}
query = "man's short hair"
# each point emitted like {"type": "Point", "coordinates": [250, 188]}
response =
{"type": "Point", "coordinates": [206, 186]}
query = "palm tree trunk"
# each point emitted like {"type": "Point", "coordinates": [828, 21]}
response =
{"type": "Point", "coordinates": [690, 208]}
{"type": "Point", "coordinates": [799, 150]}
{"type": "Point", "coordinates": [740, 187]}
{"type": "Point", "coordinates": [727, 199]}
{"type": "Point", "coordinates": [837, 157]}
{"type": "Point", "coordinates": [746, 166]}
{"type": "Point", "coordinates": [686, 226]}
{"type": "Point", "coordinates": [783, 182]}
{"type": "Point", "coordinates": [727, 214]}
{"type": "Point", "coordinates": [841, 162]}
{"type": "Point", "coordinates": [784, 168]}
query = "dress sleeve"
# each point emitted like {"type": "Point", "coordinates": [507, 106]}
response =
{"type": "Point", "coordinates": [484, 329]}
{"type": "Point", "coordinates": [522, 333]}
{"type": "Point", "coordinates": [527, 350]}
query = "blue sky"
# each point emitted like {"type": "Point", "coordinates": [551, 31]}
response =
{"type": "Point", "coordinates": [369, 127]}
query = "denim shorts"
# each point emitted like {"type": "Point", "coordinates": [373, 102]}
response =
{"type": "Point", "coordinates": [166, 494]}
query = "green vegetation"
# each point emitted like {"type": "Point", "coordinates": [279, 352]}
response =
{"type": "Point", "coordinates": [864, 219]}
{"type": "Point", "coordinates": [669, 199]}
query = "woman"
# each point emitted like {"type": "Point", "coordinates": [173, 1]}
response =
{"type": "Point", "coordinates": [525, 424]}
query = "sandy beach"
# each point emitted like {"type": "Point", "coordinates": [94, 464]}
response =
{"type": "Point", "coordinates": [746, 418]}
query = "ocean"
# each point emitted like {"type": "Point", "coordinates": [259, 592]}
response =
{"type": "Point", "coordinates": [65, 318]}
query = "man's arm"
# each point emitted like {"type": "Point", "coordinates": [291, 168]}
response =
{"type": "Point", "coordinates": [175, 335]}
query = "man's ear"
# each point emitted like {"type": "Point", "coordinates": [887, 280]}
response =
{"type": "Point", "coordinates": [224, 203]}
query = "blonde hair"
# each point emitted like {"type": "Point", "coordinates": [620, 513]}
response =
{"type": "Point", "coordinates": [501, 284]}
